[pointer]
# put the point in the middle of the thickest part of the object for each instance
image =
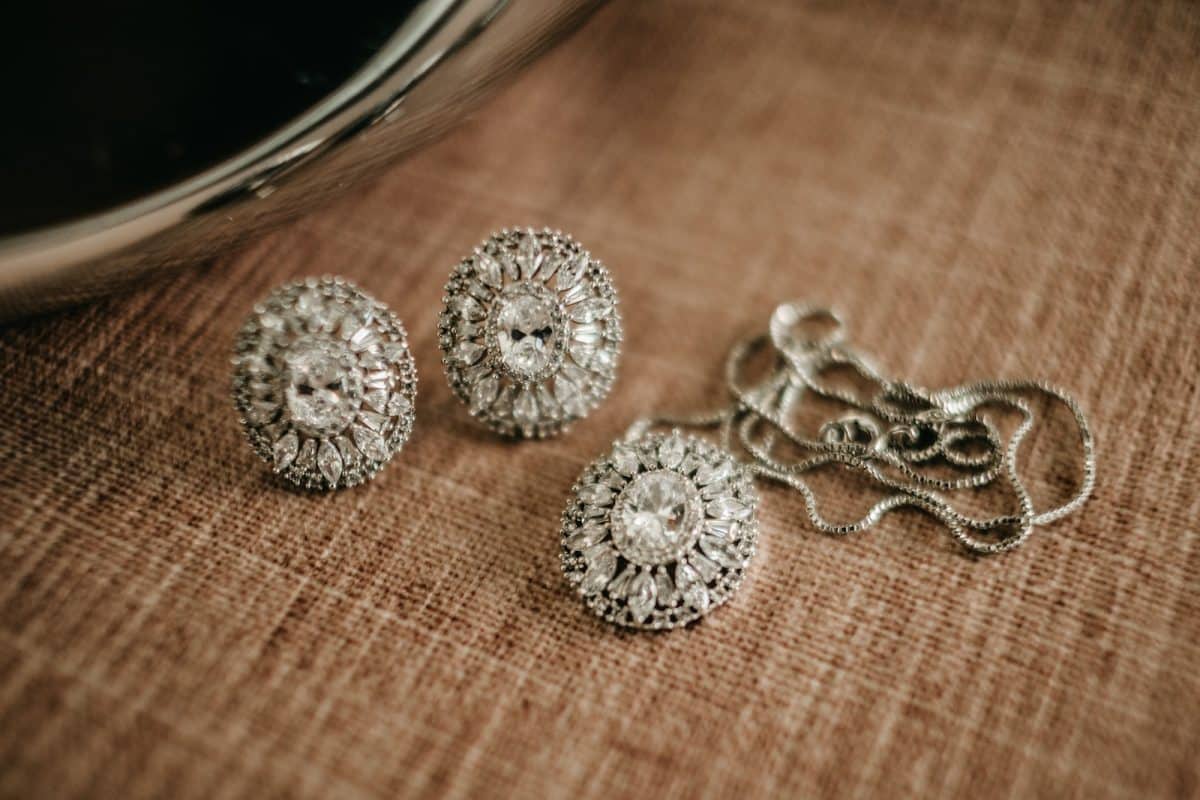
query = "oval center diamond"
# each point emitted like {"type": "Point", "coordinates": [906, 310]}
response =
{"type": "Point", "coordinates": [657, 518]}
{"type": "Point", "coordinates": [322, 386]}
{"type": "Point", "coordinates": [527, 330]}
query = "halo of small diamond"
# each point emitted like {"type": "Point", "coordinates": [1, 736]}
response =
{"type": "Point", "coordinates": [324, 383]}
{"type": "Point", "coordinates": [680, 553]}
{"type": "Point", "coordinates": [530, 333]}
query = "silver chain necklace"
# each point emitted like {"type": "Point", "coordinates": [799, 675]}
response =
{"type": "Point", "coordinates": [660, 531]}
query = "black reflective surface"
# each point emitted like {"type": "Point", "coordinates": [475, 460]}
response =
{"type": "Point", "coordinates": [104, 103]}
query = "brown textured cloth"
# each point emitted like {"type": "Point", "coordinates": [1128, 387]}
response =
{"type": "Point", "coordinates": [985, 190]}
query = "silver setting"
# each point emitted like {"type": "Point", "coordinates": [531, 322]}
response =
{"type": "Point", "coordinates": [530, 333]}
{"type": "Point", "coordinates": [324, 383]}
{"type": "Point", "coordinates": [659, 531]}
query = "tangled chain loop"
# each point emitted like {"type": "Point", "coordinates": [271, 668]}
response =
{"type": "Point", "coordinates": [889, 436]}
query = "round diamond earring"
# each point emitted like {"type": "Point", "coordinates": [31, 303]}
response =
{"type": "Point", "coordinates": [324, 383]}
{"type": "Point", "coordinates": [530, 332]}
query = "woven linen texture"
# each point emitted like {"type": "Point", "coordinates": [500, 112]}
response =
{"type": "Point", "coordinates": [984, 190]}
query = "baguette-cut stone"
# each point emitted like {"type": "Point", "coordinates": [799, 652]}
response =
{"type": "Point", "coordinates": [591, 310]}
{"type": "Point", "coordinates": [707, 568]}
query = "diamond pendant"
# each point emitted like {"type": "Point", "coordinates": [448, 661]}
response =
{"type": "Point", "coordinates": [659, 531]}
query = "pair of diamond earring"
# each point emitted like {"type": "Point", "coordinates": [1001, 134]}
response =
{"type": "Point", "coordinates": [326, 385]}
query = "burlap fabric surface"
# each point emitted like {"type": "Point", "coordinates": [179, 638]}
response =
{"type": "Point", "coordinates": [984, 190]}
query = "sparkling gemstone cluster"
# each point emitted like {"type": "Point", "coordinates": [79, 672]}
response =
{"type": "Point", "coordinates": [659, 531]}
{"type": "Point", "coordinates": [530, 332]}
{"type": "Point", "coordinates": [325, 383]}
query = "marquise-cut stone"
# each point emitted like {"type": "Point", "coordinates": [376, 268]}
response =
{"type": "Point", "coordinates": [329, 461]}
{"type": "Point", "coordinates": [596, 494]}
{"type": "Point", "coordinates": [691, 587]}
{"type": "Point", "coordinates": [666, 589]}
{"type": "Point", "coordinates": [370, 443]}
{"type": "Point", "coordinates": [582, 352]}
{"type": "Point", "coordinates": [570, 272]}
{"type": "Point", "coordinates": [349, 453]}
{"type": "Point", "coordinates": [285, 450]}
{"type": "Point", "coordinates": [546, 401]}
{"type": "Point", "coordinates": [307, 457]}
{"type": "Point", "coordinates": [586, 536]}
{"type": "Point", "coordinates": [691, 462]}
{"type": "Point", "coordinates": [618, 586]}
{"type": "Point", "coordinates": [468, 352]}
{"type": "Point", "coordinates": [720, 551]}
{"type": "Point", "coordinates": [641, 596]}
{"type": "Point", "coordinates": [529, 255]}
{"type": "Point", "coordinates": [467, 307]}
{"type": "Point", "coordinates": [488, 269]}
{"type": "Point", "coordinates": [525, 410]}
{"type": "Point", "coordinates": [484, 393]}
{"type": "Point", "coordinates": [670, 453]}
{"type": "Point", "coordinates": [729, 508]}
{"type": "Point", "coordinates": [714, 473]}
{"type": "Point", "coordinates": [625, 459]}
{"type": "Point", "coordinates": [569, 396]}
{"type": "Point", "coordinates": [398, 406]}
{"type": "Point", "coordinates": [601, 566]}
{"type": "Point", "coordinates": [480, 292]}
{"type": "Point", "coordinates": [603, 360]}
{"type": "Point", "coordinates": [262, 412]}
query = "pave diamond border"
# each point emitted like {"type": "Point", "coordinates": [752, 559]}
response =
{"type": "Point", "coordinates": [336, 308]}
{"type": "Point", "coordinates": [668, 595]}
{"type": "Point", "coordinates": [587, 350]}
